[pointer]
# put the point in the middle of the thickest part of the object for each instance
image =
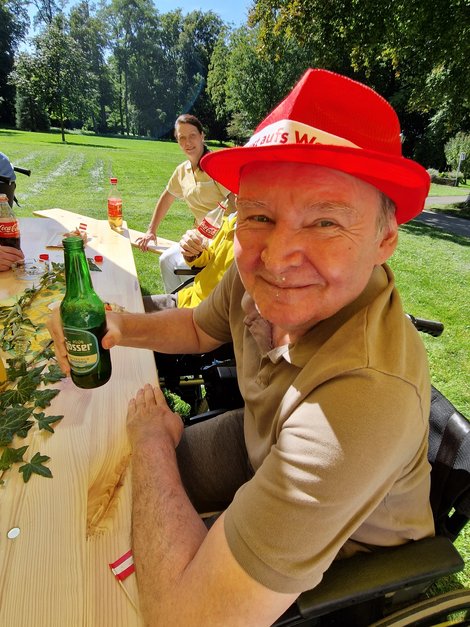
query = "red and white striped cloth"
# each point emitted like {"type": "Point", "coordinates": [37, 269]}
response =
{"type": "Point", "coordinates": [124, 566]}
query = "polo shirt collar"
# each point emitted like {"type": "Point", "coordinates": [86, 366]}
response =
{"type": "Point", "coordinates": [302, 351]}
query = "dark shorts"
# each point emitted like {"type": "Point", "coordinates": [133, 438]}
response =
{"type": "Point", "coordinates": [213, 461]}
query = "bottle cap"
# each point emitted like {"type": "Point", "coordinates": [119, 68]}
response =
{"type": "Point", "coordinates": [99, 258]}
{"type": "Point", "coordinates": [44, 257]}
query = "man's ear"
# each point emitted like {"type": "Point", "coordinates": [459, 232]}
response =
{"type": "Point", "coordinates": [388, 241]}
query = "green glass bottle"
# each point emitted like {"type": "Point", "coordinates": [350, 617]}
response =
{"type": "Point", "coordinates": [84, 320]}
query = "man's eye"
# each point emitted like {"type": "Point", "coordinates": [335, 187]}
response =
{"type": "Point", "coordinates": [259, 218]}
{"type": "Point", "coordinates": [325, 223]}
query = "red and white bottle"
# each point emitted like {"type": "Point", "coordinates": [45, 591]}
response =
{"type": "Point", "coordinates": [9, 227]}
{"type": "Point", "coordinates": [211, 224]}
{"type": "Point", "coordinates": [114, 205]}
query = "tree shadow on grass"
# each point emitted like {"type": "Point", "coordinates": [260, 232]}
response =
{"type": "Point", "coordinates": [67, 143]}
{"type": "Point", "coordinates": [419, 228]}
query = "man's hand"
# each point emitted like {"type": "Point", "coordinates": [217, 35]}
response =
{"type": "Point", "coordinates": [54, 326]}
{"type": "Point", "coordinates": [9, 256]}
{"type": "Point", "coordinates": [191, 244]}
{"type": "Point", "coordinates": [149, 416]}
{"type": "Point", "coordinates": [144, 241]}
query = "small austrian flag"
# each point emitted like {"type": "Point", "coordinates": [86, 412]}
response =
{"type": "Point", "coordinates": [82, 226]}
{"type": "Point", "coordinates": [123, 567]}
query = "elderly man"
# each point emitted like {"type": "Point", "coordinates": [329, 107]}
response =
{"type": "Point", "coordinates": [328, 456]}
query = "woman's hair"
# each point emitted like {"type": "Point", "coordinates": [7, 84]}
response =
{"type": "Point", "coordinates": [187, 118]}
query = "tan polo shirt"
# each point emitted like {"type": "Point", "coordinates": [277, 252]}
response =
{"type": "Point", "coordinates": [336, 427]}
{"type": "Point", "coordinates": [197, 189]}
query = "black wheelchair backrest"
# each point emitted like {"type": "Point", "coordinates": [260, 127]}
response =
{"type": "Point", "coordinates": [449, 455]}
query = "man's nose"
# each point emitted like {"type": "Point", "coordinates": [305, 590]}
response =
{"type": "Point", "coordinates": [282, 250]}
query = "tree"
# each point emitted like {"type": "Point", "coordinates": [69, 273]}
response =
{"type": "Point", "coordinates": [245, 84]}
{"type": "Point", "coordinates": [199, 34]}
{"type": "Point", "coordinates": [30, 111]}
{"type": "Point", "coordinates": [414, 53]}
{"type": "Point", "coordinates": [55, 75]}
{"type": "Point", "coordinates": [90, 34]}
{"type": "Point", "coordinates": [13, 25]}
{"type": "Point", "coordinates": [47, 10]}
{"type": "Point", "coordinates": [454, 148]}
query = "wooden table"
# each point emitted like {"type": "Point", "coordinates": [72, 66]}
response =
{"type": "Point", "coordinates": [56, 573]}
{"type": "Point", "coordinates": [159, 247]}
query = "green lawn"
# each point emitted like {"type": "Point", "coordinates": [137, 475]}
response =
{"type": "Point", "coordinates": [448, 190]}
{"type": "Point", "coordinates": [432, 268]}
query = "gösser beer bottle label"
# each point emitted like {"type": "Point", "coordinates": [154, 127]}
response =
{"type": "Point", "coordinates": [82, 349]}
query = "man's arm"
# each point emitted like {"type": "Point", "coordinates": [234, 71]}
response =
{"type": "Point", "coordinates": [161, 209]}
{"type": "Point", "coordinates": [185, 575]}
{"type": "Point", "coordinates": [169, 331]}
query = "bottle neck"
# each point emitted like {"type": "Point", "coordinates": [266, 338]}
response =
{"type": "Point", "coordinates": [77, 274]}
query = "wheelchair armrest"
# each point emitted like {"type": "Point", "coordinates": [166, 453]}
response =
{"type": "Point", "coordinates": [187, 271]}
{"type": "Point", "coordinates": [193, 420]}
{"type": "Point", "coordinates": [367, 576]}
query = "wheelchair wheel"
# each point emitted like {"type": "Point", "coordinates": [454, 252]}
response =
{"type": "Point", "coordinates": [437, 611]}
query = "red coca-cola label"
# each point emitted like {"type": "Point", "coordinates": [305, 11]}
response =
{"type": "Point", "coordinates": [114, 207]}
{"type": "Point", "coordinates": [9, 229]}
{"type": "Point", "coordinates": [207, 229]}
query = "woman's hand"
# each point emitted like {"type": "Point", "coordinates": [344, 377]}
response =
{"type": "Point", "coordinates": [144, 241]}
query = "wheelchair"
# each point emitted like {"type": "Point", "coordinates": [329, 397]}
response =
{"type": "Point", "coordinates": [387, 587]}
{"type": "Point", "coordinates": [7, 184]}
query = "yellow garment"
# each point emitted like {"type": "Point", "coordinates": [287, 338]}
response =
{"type": "Point", "coordinates": [214, 261]}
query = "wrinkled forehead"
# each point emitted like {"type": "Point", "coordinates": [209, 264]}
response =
{"type": "Point", "coordinates": [294, 188]}
{"type": "Point", "coordinates": [264, 175]}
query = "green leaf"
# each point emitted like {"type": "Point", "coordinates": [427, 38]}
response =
{"type": "Point", "coordinates": [43, 398]}
{"type": "Point", "coordinates": [21, 395]}
{"type": "Point", "coordinates": [16, 368]}
{"type": "Point", "coordinates": [35, 466]}
{"type": "Point", "coordinates": [13, 420]}
{"type": "Point", "coordinates": [53, 375]}
{"type": "Point", "coordinates": [11, 456]}
{"type": "Point", "coordinates": [92, 265]}
{"type": "Point", "coordinates": [44, 422]}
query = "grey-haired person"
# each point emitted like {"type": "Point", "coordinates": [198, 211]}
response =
{"type": "Point", "coordinates": [328, 456]}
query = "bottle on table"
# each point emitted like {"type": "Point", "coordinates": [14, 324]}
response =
{"type": "Point", "coordinates": [9, 227]}
{"type": "Point", "coordinates": [210, 225]}
{"type": "Point", "coordinates": [83, 319]}
{"type": "Point", "coordinates": [114, 205]}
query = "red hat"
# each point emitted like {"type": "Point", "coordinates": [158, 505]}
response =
{"type": "Point", "coordinates": [332, 121]}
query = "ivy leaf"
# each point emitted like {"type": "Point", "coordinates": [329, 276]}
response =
{"type": "Point", "coordinates": [43, 398]}
{"type": "Point", "coordinates": [14, 420]}
{"type": "Point", "coordinates": [92, 265]}
{"type": "Point", "coordinates": [20, 396]}
{"type": "Point", "coordinates": [11, 456]}
{"type": "Point", "coordinates": [53, 375]}
{"type": "Point", "coordinates": [44, 422]}
{"type": "Point", "coordinates": [16, 368]}
{"type": "Point", "coordinates": [36, 466]}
